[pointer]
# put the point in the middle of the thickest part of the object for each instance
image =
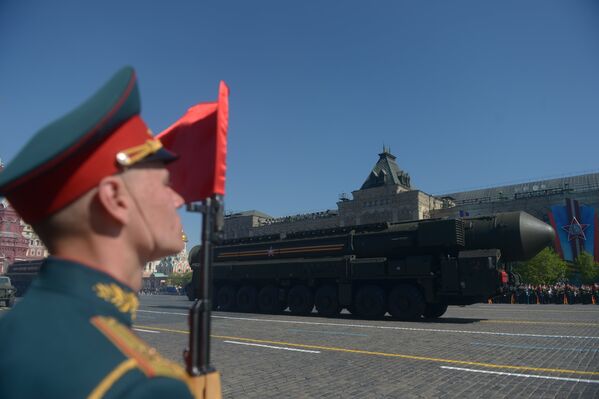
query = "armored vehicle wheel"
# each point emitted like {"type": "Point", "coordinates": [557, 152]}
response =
{"type": "Point", "coordinates": [225, 298]}
{"type": "Point", "coordinates": [406, 302]}
{"type": "Point", "coordinates": [370, 302]}
{"type": "Point", "coordinates": [301, 300]}
{"type": "Point", "coordinates": [434, 310]}
{"type": "Point", "coordinates": [268, 300]}
{"type": "Point", "coordinates": [190, 292]}
{"type": "Point", "coordinates": [11, 302]}
{"type": "Point", "coordinates": [326, 301]}
{"type": "Point", "coordinates": [247, 299]}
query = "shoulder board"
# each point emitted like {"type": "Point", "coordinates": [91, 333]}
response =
{"type": "Point", "coordinates": [148, 360]}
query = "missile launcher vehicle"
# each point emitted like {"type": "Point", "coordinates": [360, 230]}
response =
{"type": "Point", "coordinates": [408, 269]}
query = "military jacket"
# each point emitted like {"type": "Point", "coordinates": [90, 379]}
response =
{"type": "Point", "coordinates": [71, 337]}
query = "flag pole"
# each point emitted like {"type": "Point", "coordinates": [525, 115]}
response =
{"type": "Point", "coordinates": [198, 353]}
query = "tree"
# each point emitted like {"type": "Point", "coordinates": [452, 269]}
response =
{"type": "Point", "coordinates": [545, 268]}
{"type": "Point", "coordinates": [587, 267]}
{"type": "Point", "coordinates": [179, 279]}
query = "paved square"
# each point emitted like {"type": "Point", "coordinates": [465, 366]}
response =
{"type": "Point", "coordinates": [491, 351]}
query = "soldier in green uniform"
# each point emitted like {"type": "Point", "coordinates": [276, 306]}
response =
{"type": "Point", "coordinates": [94, 187]}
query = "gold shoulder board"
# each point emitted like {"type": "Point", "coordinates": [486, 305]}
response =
{"type": "Point", "coordinates": [149, 361]}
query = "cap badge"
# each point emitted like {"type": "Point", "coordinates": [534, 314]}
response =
{"type": "Point", "coordinates": [132, 155]}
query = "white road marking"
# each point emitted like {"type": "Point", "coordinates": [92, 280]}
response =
{"type": "Point", "coordinates": [148, 331]}
{"type": "Point", "coordinates": [271, 347]}
{"type": "Point", "coordinates": [313, 323]}
{"type": "Point", "coordinates": [544, 377]}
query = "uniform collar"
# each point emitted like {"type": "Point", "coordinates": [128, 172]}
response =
{"type": "Point", "coordinates": [100, 292]}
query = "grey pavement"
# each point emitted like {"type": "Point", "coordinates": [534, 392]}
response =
{"type": "Point", "coordinates": [490, 351]}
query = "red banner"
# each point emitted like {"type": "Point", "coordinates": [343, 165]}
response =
{"type": "Point", "coordinates": [200, 140]}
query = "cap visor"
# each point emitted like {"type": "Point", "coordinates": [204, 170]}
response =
{"type": "Point", "coordinates": [162, 155]}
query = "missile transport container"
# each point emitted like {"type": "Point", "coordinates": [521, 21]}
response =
{"type": "Point", "coordinates": [408, 269]}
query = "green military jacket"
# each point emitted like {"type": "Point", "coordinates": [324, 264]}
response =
{"type": "Point", "coordinates": [71, 337]}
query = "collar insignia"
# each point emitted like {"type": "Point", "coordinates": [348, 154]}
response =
{"type": "Point", "coordinates": [125, 302]}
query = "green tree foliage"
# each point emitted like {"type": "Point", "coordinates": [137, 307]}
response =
{"type": "Point", "coordinates": [180, 279]}
{"type": "Point", "coordinates": [587, 267]}
{"type": "Point", "coordinates": [545, 268]}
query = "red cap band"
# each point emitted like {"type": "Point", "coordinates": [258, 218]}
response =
{"type": "Point", "coordinates": [51, 191]}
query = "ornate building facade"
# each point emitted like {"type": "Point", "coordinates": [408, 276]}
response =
{"type": "Point", "coordinates": [156, 270]}
{"type": "Point", "coordinates": [14, 245]}
{"type": "Point", "coordinates": [17, 239]}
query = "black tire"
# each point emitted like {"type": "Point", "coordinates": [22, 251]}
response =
{"type": "Point", "coordinates": [369, 302]}
{"type": "Point", "coordinates": [225, 299]}
{"type": "Point", "coordinates": [350, 308]}
{"type": "Point", "coordinates": [269, 300]}
{"type": "Point", "coordinates": [406, 302]}
{"type": "Point", "coordinates": [300, 300]}
{"type": "Point", "coordinates": [435, 310]}
{"type": "Point", "coordinates": [326, 301]}
{"type": "Point", "coordinates": [247, 299]}
{"type": "Point", "coordinates": [190, 292]}
{"type": "Point", "coordinates": [11, 302]}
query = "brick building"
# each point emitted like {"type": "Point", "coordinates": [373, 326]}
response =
{"type": "Point", "coordinates": [13, 244]}
{"type": "Point", "coordinates": [17, 239]}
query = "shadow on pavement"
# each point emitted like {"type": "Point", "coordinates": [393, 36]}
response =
{"type": "Point", "coordinates": [342, 316]}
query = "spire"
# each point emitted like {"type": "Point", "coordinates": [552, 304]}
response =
{"type": "Point", "coordinates": [387, 154]}
{"type": "Point", "coordinates": [386, 150]}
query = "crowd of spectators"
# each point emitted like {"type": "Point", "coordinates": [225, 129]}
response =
{"type": "Point", "coordinates": [561, 293]}
{"type": "Point", "coordinates": [299, 217]}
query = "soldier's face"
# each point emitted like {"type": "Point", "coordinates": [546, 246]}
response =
{"type": "Point", "coordinates": [158, 227]}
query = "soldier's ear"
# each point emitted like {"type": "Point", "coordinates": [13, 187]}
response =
{"type": "Point", "coordinates": [115, 199]}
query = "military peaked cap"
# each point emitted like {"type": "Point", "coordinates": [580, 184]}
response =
{"type": "Point", "coordinates": [70, 156]}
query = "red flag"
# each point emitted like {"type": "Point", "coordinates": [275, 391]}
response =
{"type": "Point", "coordinates": [200, 140]}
